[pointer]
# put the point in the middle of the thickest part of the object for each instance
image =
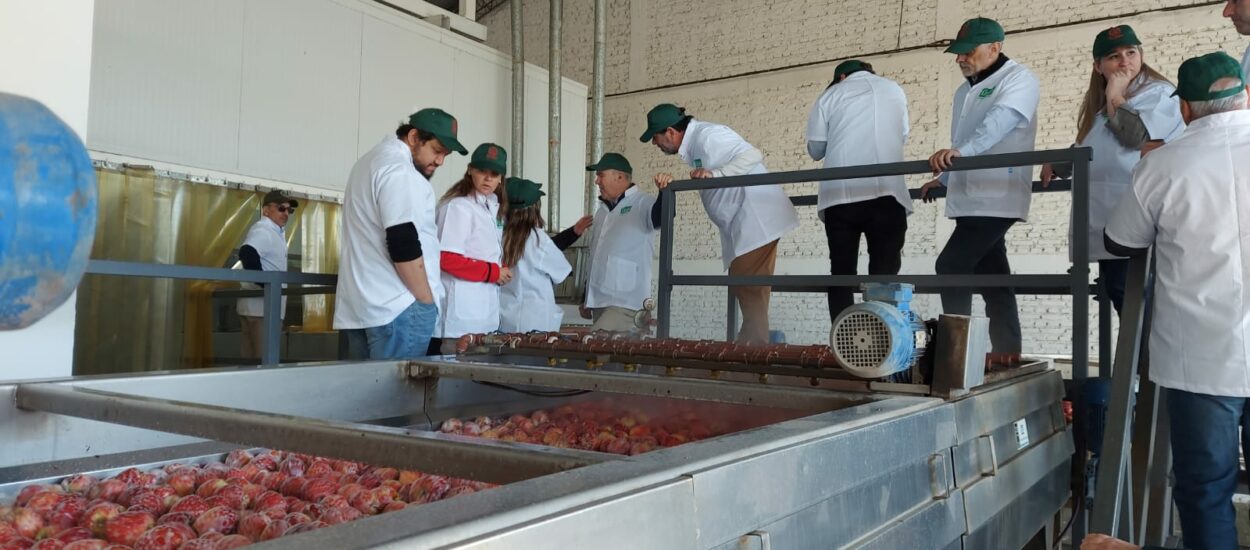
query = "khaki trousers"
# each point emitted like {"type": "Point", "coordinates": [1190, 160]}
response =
{"type": "Point", "coordinates": [753, 300]}
{"type": "Point", "coordinates": [613, 318]}
{"type": "Point", "coordinates": [253, 331]}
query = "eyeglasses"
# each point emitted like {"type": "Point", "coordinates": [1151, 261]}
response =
{"type": "Point", "coordinates": [284, 209]}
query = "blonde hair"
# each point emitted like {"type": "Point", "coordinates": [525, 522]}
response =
{"type": "Point", "coordinates": [1096, 96]}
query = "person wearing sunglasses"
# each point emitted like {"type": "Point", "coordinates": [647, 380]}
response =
{"type": "Point", "coordinates": [263, 249]}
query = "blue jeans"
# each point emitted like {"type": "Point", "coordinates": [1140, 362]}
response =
{"type": "Point", "coordinates": [405, 337]}
{"type": "Point", "coordinates": [1205, 439]}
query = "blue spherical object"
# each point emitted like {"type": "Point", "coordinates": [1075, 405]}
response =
{"type": "Point", "coordinates": [47, 211]}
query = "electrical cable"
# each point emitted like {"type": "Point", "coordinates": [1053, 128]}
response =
{"type": "Point", "coordinates": [535, 393]}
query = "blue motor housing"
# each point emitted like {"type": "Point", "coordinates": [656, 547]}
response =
{"type": "Point", "coordinates": [881, 336]}
{"type": "Point", "coordinates": [47, 211]}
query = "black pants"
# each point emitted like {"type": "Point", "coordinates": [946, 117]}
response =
{"type": "Point", "coordinates": [883, 222]}
{"type": "Point", "coordinates": [979, 246]}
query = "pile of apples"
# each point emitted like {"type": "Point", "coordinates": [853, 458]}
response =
{"type": "Point", "coordinates": [250, 497]}
{"type": "Point", "coordinates": [626, 426]}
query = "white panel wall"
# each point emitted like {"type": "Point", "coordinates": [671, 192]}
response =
{"type": "Point", "coordinates": [294, 91]}
{"type": "Point", "coordinates": [45, 53]}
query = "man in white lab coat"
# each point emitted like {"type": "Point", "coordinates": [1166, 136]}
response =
{"type": "Point", "coordinates": [1238, 11]}
{"type": "Point", "coordinates": [861, 118]}
{"type": "Point", "coordinates": [620, 247]}
{"type": "Point", "coordinates": [1189, 200]}
{"type": "Point", "coordinates": [994, 112]}
{"type": "Point", "coordinates": [751, 220]}
{"type": "Point", "coordinates": [263, 249]}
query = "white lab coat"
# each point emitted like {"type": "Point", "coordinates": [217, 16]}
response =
{"type": "Point", "coordinates": [468, 226]}
{"type": "Point", "coordinates": [1191, 200]}
{"type": "Point", "coordinates": [862, 120]}
{"type": "Point", "coordinates": [270, 243]}
{"type": "Point", "coordinates": [383, 190]}
{"type": "Point", "coordinates": [528, 302]}
{"type": "Point", "coordinates": [748, 217]}
{"type": "Point", "coordinates": [1111, 171]}
{"type": "Point", "coordinates": [620, 253]}
{"type": "Point", "coordinates": [998, 192]}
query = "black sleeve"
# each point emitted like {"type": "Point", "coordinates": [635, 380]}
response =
{"type": "Point", "coordinates": [403, 243]}
{"type": "Point", "coordinates": [250, 258]}
{"type": "Point", "coordinates": [565, 238]}
{"type": "Point", "coordinates": [1119, 249]}
{"type": "Point", "coordinates": [657, 211]}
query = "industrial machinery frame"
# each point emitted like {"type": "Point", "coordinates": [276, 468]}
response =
{"type": "Point", "coordinates": [865, 469]}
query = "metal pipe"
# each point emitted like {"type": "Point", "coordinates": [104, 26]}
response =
{"type": "Point", "coordinates": [518, 89]}
{"type": "Point", "coordinates": [553, 115]}
{"type": "Point", "coordinates": [481, 460]}
{"type": "Point", "coordinates": [596, 98]}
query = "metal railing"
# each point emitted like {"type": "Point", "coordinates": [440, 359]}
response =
{"type": "Point", "coordinates": [271, 281]}
{"type": "Point", "coordinates": [1075, 282]}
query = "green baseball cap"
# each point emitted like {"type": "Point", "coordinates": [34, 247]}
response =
{"type": "Point", "coordinates": [442, 125]}
{"type": "Point", "coordinates": [660, 118]}
{"type": "Point", "coordinates": [1107, 41]}
{"type": "Point", "coordinates": [489, 156]}
{"type": "Point", "coordinates": [848, 67]}
{"type": "Point", "coordinates": [1197, 74]}
{"type": "Point", "coordinates": [522, 192]}
{"type": "Point", "coordinates": [612, 161]}
{"type": "Point", "coordinates": [973, 33]}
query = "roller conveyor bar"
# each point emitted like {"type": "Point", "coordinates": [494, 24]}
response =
{"type": "Point", "coordinates": [481, 460]}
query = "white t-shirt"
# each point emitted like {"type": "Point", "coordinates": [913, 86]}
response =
{"type": "Point", "coordinates": [748, 217]}
{"type": "Point", "coordinates": [270, 243]}
{"type": "Point", "coordinates": [997, 192]}
{"type": "Point", "coordinates": [862, 120]}
{"type": "Point", "coordinates": [620, 253]}
{"type": "Point", "coordinates": [384, 190]}
{"type": "Point", "coordinates": [1111, 171]}
{"type": "Point", "coordinates": [1191, 200]}
{"type": "Point", "coordinates": [528, 302]}
{"type": "Point", "coordinates": [469, 226]}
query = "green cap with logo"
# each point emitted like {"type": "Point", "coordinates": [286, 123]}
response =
{"type": "Point", "coordinates": [1107, 41]}
{"type": "Point", "coordinates": [279, 197]}
{"type": "Point", "coordinates": [973, 33]}
{"type": "Point", "coordinates": [660, 118]}
{"type": "Point", "coordinates": [522, 193]}
{"type": "Point", "coordinates": [489, 156]}
{"type": "Point", "coordinates": [442, 125]}
{"type": "Point", "coordinates": [849, 67]}
{"type": "Point", "coordinates": [1198, 74]}
{"type": "Point", "coordinates": [611, 161]}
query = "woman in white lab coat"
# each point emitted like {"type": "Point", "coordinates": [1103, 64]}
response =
{"type": "Point", "coordinates": [470, 219]}
{"type": "Point", "coordinates": [1128, 110]}
{"type": "Point", "coordinates": [528, 303]}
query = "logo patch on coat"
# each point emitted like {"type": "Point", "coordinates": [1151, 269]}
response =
{"type": "Point", "coordinates": [986, 93]}
{"type": "Point", "coordinates": [626, 210]}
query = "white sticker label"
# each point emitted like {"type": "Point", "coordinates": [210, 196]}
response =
{"type": "Point", "coordinates": [1022, 434]}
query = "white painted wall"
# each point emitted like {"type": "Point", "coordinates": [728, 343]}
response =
{"type": "Point", "coordinates": [45, 52]}
{"type": "Point", "coordinates": [295, 90]}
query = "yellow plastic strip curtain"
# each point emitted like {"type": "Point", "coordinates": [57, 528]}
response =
{"type": "Point", "coordinates": [132, 324]}
{"type": "Point", "coordinates": [320, 223]}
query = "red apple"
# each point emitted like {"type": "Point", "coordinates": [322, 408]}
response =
{"type": "Point", "coordinates": [269, 499]}
{"type": "Point", "coordinates": [293, 466]}
{"type": "Point", "coordinates": [305, 527]}
{"type": "Point", "coordinates": [183, 483]}
{"type": "Point", "coordinates": [169, 536]}
{"type": "Point", "coordinates": [293, 486]}
{"type": "Point", "coordinates": [78, 484]}
{"type": "Point", "coordinates": [130, 476]}
{"type": "Point", "coordinates": [109, 489]}
{"type": "Point", "coordinates": [314, 489]}
{"type": "Point", "coordinates": [86, 544]}
{"type": "Point", "coordinates": [230, 542]}
{"type": "Point", "coordinates": [394, 506]}
{"type": "Point", "coordinates": [191, 504]}
{"type": "Point", "coordinates": [334, 501]}
{"type": "Point", "coordinates": [220, 519]}
{"type": "Point", "coordinates": [127, 527]}
{"type": "Point", "coordinates": [210, 487]}
{"type": "Point", "coordinates": [48, 544]}
{"type": "Point", "coordinates": [215, 501]}
{"type": "Point", "coordinates": [274, 530]}
{"type": "Point", "coordinates": [234, 496]}
{"type": "Point", "coordinates": [251, 524]}
{"type": "Point", "coordinates": [27, 522]}
{"type": "Point", "coordinates": [176, 517]}
{"type": "Point", "coordinates": [199, 544]}
{"type": "Point", "coordinates": [96, 516]}
{"type": "Point", "coordinates": [146, 501]}
{"type": "Point", "coordinates": [335, 516]}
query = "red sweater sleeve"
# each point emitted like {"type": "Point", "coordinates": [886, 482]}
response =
{"type": "Point", "coordinates": [464, 267]}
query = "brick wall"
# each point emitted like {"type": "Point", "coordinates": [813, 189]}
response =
{"type": "Point", "coordinates": [757, 65]}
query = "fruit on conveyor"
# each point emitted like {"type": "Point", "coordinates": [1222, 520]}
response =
{"type": "Point", "coordinates": [250, 497]}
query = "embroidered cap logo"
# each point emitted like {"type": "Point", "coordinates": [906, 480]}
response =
{"type": "Point", "coordinates": [1115, 33]}
{"type": "Point", "coordinates": [492, 153]}
{"type": "Point", "coordinates": [963, 32]}
{"type": "Point", "coordinates": [455, 127]}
